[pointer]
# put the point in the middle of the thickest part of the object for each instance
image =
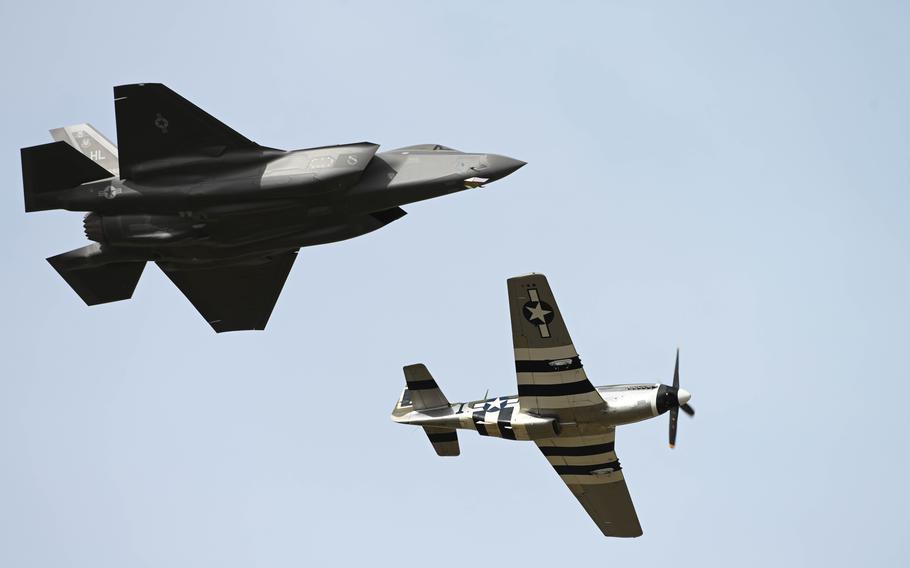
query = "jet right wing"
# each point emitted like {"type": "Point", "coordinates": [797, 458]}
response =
{"type": "Point", "coordinates": [551, 380]}
{"type": "Point", "coordinates": [588, 466]}
{"type": "Point", "coordinates": [155, 123]}
{"type": "Point", "coordinates": [236, 297]}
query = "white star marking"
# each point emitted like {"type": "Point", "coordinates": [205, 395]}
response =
{"type": "Point", "coordinates": [538, 313]}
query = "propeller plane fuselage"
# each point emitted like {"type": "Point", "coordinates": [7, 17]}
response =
{"type": "Point", "coordinates": [503, 417]}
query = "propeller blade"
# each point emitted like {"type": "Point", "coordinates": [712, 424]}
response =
{"type": "Point", "coordinates": [676, 371]}
{"type": "Point", "coordinates": [688, 409]}
{"type": "Point", "coordinates": [674, 417]}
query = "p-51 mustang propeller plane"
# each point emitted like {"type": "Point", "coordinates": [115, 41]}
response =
{"type": "Point", "coordinates": [222, 216]}
{"type": "Point", "coordinates": [571, 421]}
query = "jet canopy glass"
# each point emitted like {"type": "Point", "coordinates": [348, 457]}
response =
{"type": "Point", "coordinates": [428, 148]}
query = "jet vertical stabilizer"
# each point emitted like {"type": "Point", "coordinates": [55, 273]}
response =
{"type": "Point", "coordinates": [86, 138]}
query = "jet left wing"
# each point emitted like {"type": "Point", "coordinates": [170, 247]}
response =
{"type": "Point", "coordinates": [589, 467]}
{"type": "Point", "coordinates": [237, 297]}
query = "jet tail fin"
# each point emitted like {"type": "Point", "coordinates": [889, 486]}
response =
{"type": "Point", "coordinates": [93, 278]}
{"type": "Point", "coordinates": [52, 167]}
{"type": "Point", "coordinates": [425, 393]}
{"type": "Point", "coordinates": [86, 138]}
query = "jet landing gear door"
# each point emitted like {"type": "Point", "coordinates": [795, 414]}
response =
{"type": "Point", "coordinates": [319, 170]}
{"type": "Point", "coordinates": [472, 168]}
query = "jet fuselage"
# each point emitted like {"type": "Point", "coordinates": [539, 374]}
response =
{"type": "Point", "coordinates": [212, 209]}
{"type": "Point", "coordinates": [222, 216]}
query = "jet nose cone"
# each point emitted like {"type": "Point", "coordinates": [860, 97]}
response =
{"type": "Point", "coordinates": [683, 396]}
{"type": "Point", "coordinates": [501, 166]}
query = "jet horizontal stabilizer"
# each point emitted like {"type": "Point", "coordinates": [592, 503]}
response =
{"type": "Point", "coordinates": [96, 281]}
{"type": "Point", "coordinates": [54, 167]}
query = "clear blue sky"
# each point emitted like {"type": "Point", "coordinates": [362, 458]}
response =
{"type": "Point", "coordinates": [731, 178]}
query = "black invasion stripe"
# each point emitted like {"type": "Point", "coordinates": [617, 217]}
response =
{"type": "Point", "coordinates": [478, 422]}
{"type": "Point", "coordinates": [577, 450]}
{"type": "Point", "coordinates": [559, 389]}
{"type": "Point", "coordinates": [547, 366]}
{"type": "Point", "coordinates": [505, 423]}
{"type": "Point", "coordinates": [422, 385]}
{"type": "Point", "coordinates": [585, 469]}
{"type": "Point", "coordinates": [443, 437]}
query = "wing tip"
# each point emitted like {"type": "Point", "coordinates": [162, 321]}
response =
{"type": "Point", "coordinates": [521, 278]}
{"type": "Point", "coordinates": [132, 85]}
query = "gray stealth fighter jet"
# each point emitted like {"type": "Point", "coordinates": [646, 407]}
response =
{"type": "Point", "coordinates": [571, 421]}
{"type": "Point", "coordinates": [222, 216]}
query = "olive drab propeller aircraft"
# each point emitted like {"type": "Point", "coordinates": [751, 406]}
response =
{"type": "Point", "coordinates": [222, 216]}
{"type": "Point", "coordinates": [570, 420]}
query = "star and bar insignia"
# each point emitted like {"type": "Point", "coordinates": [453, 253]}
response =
{"type": "Point", "coordinates": [538, 313]}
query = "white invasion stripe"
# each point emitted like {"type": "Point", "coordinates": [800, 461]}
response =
{"type": "Point", "coordinates": [593, 479]}
{"type": "Point", "coordinates": [545, 353]}
{"type": "Point", "coordinates": [576, 441]}
{"type": "Point", "coordinates": [532, 292]}
{"type": "Point", "coordinates": [605, 457]}
{"type": "Point", "coordinates": [564, 402]}
{"type": "Point", "coordinates": [492, 421]}
{"type": "Point", "coordinates": [554, 378]}
{"type": "Point", "coordinates": [544, 330]}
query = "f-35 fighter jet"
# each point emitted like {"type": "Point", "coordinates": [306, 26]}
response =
{"type": "Point", "coordinates": [571, 421]}
{"type": "Point", "coordinates": [222, 216]}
